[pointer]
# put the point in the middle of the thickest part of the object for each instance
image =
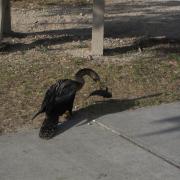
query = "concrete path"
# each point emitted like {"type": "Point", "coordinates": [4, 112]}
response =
{"type": "Point", "coordinates": [141, 144]}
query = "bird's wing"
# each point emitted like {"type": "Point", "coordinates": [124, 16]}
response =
{"type": "Point", "coordinates": [58, 93]}
{"type": "Point", "coordinates": [47, 101]}
{"type": "Point", "coordinates": [65, 89]}
{"type": "Point", "coordinates": [48, 98]}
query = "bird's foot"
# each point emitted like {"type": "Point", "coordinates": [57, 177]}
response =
{"type": "Point", "coordinates": [67, 115]}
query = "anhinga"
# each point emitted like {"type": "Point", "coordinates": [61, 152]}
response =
{"type": "Point", "coordinates": [59, 98]}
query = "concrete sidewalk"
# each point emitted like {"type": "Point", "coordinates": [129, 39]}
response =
{"type": "Point", "coordinates": [141, 144]}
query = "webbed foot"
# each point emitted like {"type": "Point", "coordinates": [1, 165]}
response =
{"type": "Point", "coordinates": [67, 114]}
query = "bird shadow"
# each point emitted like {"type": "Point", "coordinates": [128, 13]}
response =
{"type": "Point", "coordinates": [100, 108]}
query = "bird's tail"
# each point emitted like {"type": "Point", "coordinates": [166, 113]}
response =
{"type": "Point", "coordinates": [39, 112]}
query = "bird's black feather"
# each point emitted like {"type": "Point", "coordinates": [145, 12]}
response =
{"type": "Point", "coordinates": [59, 98]}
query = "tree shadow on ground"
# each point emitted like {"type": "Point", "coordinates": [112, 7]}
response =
{"type": "Point", "coordinates": [139, 44]}
{"type": "Point", "coordinates": [123, 20]}
{"type": "Point", "coordinates": [147, 42]}
{"type": "Point", "coordinates": [62, 36]}
{"type": "Point", "coordinates": [101, 108]}
{"type": "Point", "coordinates": [173, 120]}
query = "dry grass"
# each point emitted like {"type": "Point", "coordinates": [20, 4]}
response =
{"type": "Point", "coordinates": [25, 78]}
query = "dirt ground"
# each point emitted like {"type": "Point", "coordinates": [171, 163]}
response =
{"type": "Point", "coordinates": [52, 41]}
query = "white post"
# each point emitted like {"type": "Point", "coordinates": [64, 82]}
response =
{"type": "Point", "coordinates": [98, 28]}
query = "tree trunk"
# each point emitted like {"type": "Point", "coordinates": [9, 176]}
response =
{"type": "Point", "coordinates": [5, 17]}
{"type": "Point", "coordinates": [98, 27]}
{"type": "Point", "coordinates": [1, 23]}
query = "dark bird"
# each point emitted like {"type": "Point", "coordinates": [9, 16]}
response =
{"type": "Point", "coordinates": [59, 98]}
{"type": "Point", "coordinates": [101, 92]}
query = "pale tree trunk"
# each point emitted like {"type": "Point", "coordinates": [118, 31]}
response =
{"type": "Point", "coordinates": [98, 27]}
